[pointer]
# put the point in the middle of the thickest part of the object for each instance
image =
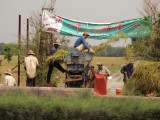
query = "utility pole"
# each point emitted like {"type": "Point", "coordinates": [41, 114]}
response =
{"type": "Point", "coordinates": [19, 45]}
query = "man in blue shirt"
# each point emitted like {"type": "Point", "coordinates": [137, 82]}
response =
{"type": "Point", "coordinates": [81, 44]}
{"type": "Point", "coordinates": [53, 64]}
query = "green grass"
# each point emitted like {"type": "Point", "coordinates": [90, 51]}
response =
{"type": "Point", "coordinates": [81, 107]}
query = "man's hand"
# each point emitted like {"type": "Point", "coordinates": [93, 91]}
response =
{"type": "Point", "coordinates": [106, 74]}
{"type": "Point", "coordinates": [125, 73]}
{"type": "Point", "coordinates": [91, 50]}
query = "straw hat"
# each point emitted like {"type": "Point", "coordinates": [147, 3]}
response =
{"type": "Point", "coordinates": [99, 64]}
{"type": "Point", "coordinates": [86, 33]}
{"type": "Point", "coordinates": [56, 43]}
{"type": "Point", "coordinates": [30, 52]}
{"type": "Point", "coordinates": [8, 72]}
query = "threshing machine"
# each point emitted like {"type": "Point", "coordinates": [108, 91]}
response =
{"type": "Point", "coordinates": [77, 66]}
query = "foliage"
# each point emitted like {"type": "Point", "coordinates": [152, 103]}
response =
{"type": "Point", "coordinates": [84, 106]}
{"type": "Point", "coordinates": [150, 8]}
{"type": "Point", "coordinates": [145, 79]}
{"type": "Point", "coordinates": [140, 48]}
{"type": "Point", "coordinates": [148, 48]}
{"type": "Point", "coordinates": [10, 50]}
{"type": "Point", "coordinates": [129, 53]}
{"type": "Point", "coordinates": [2, 46]}
{"type": "Point", "coordinates": [155, 42]}
{"type": "Point", "coordinates": [42, 43]}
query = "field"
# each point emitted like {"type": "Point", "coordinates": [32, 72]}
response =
{"type": "Point", "coordinates": [5, 66]}
{"type": "Point", "coordinates": [112, 63]}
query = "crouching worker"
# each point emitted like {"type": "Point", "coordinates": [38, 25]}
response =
{"type": "Point", "coordinates": [81, 44]}
{"type": "Point", "coordinates": [92, 73]}
{"type": "Point", "coordinates": [53, 64]}
{"type": "Point", "coordinates": [9, 79]}
{"type": "Point", "coordinates": [127, 71]}
{"type": "Point", "coordinates": [30, 66]}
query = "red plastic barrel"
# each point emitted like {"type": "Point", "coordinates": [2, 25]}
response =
{"type": "Point", "coordinates": [118, 91]}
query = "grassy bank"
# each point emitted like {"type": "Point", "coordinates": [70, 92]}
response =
{"type": "Point", "coordinates": [83, 106]}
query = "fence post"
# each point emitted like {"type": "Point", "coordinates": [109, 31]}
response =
{"type": "Point", "coordinates": [19, 44]}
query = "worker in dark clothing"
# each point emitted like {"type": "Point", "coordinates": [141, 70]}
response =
{"type": "Point", "coordinates": [127, 70]}
{"type": "Point", "coordinates": [92, 73]}
{"type": "Point", "coordinates": [53, 64]}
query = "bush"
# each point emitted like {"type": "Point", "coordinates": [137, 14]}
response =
{"type": "Point", "coordinates": [20, 106]}
{"type": "Point", "coordinates": [145, 79]}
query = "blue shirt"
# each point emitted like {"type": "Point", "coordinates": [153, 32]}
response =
{"type": "Point", "coordinates": [128, 70]}
{"type": "Point", "coordinates": [80, 41]}
{"type": "Point", "coordinates": [53, 50]}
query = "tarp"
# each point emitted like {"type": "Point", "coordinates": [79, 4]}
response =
{"type": "Point", "coordinates": [100, 87]}
{"type": "Point", "coordinates": [132, 28]}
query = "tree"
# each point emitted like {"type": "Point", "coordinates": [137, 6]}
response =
{"type": "Point", "coordinates": [150, 8]}
{"type": "Point", "coordinates": [42, 42]}
{"type": "Point", "coordinates": [149, 47]}
{"type": "Point", "coordinates": [2, 46]}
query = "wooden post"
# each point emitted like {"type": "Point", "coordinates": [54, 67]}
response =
{"type": "Point", "coordinates": [27, 34]}
{"type": "Point", "coordinates": [19, 44]}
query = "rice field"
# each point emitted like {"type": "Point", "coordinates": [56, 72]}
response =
{"type": "Point", "coordinates": [112, 63]}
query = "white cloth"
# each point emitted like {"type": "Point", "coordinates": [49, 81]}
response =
{"type": "Point", "coordinates": [31, 64]}
{"type": "Point", "coordinates": [104, 70]}
{"type": "Point", "coordinates": [80, 48]}
{"type": "Point", "coordinates": [9, 81]}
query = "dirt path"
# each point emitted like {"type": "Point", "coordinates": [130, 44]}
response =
{"type": "Point", "coordinates": [114, 83]}
{"type": "Point", "coordinates": [117, 82]}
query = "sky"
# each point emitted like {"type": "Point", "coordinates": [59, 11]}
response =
{"type": "Point", "coordinates": [97, 11]}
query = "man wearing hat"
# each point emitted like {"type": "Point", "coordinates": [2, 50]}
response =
{"type": "Point", "coordinates": [9, 79]}
{"type": "Point", "coordinates": [81, 44]}
{"type": "Point", "coordinates": [53, 64]}
{"type": "Point", "coordinates": [103, 70]}
{"type": "Point", "coordinates": [30, 66]}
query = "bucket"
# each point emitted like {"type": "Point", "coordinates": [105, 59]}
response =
{"type": "Point", "coordinates": [118, 91]}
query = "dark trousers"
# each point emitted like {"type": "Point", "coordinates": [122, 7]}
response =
{"type": "Point", "coordinates": [51, 66]}
{"type": "Point", "coordinates": [31, 82]}
{"type": "Point", "coordinates": [125, 79]}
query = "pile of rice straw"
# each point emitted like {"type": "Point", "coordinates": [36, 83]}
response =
{"type": "Point", "coordinates": [59, 55]}
{"type": "Point", "coordinates": [145, 79]}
